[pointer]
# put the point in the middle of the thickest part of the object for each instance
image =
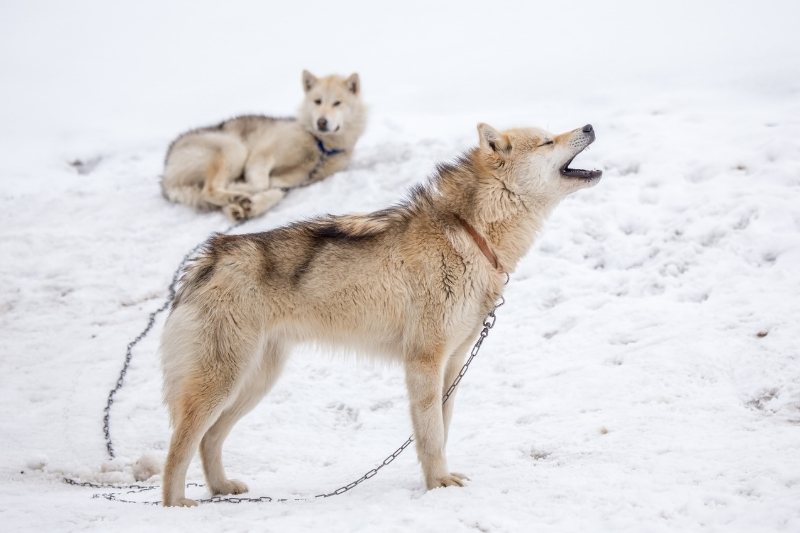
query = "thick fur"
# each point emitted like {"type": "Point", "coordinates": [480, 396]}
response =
{"type": "Point", "coordinates": [246, 164]}
{"type": "Point", "coordinates": [408, 283]}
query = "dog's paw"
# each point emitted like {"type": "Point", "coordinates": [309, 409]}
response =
{"type": "Point", "coordinates": [181, 502]}
{"type": "Point", "coordinates": [453, 479]}
{"type": "Point", "coordinates": [244, 202]}
{"type": "Point", "coordinates": [237, 212]}
{"type": "Point", "coordinates": [239, 207]}
{"type": "Point", "coordinates": [234, 212]}
{"type": "Point", "coordinates": [231, 486]}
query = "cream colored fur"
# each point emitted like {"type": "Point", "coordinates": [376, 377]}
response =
{"type": "Point", "coordinates": [246, 164]}
{"type": "Point", "coordinates": [408, 283]}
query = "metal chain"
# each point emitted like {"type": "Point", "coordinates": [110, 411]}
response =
{"type": "Point", "coordinates": [129, 351]}
{"type": "Point", "coordinates": [488, 324]}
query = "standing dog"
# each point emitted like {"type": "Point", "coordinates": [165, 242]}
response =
{"type": "Point", "coordinates": [412, 282]}
{"type": "Point", "coordinates": [244, 165]}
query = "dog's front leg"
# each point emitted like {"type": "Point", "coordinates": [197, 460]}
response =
{"type": "Point", "coordinates": [258, 171]}
{"type": "Point", "coordinates": [257, 181]}
{"type": "Point", "coordinates": [451, 370]}
{"type": "Point", "coordinates": [424, 382]}
{"type": "Point", "coordinates": [292, 178]}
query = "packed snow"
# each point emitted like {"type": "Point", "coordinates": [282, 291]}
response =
{"type": "Point", "coordinates": [644, 374]}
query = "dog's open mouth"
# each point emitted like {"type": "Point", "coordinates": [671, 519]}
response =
{"type": "Point", "coordinates": [568, 172]}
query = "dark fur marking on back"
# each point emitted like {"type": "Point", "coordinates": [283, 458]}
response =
{"type": "Point", "coordinates": [304, 266]}
{"type": "Point", "coordinates": [204, 273]}
{"type": "Point", "coordinates": [334, 231]}
{"type": "Point", "coordinates": [321, 234]}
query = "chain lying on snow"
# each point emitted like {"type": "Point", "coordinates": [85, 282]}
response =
{"type": "Point", "coordinates": [488, 323]}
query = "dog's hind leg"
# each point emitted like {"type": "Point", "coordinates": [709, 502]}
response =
{"type": "Point", "coordinates": [225, 165]}
{"type": "Point", "coordinates": [200, 167]}
{"type": "Point", "coordinates": [424, 375]}
{"type": "Point", "coordinates": [251, 392]}
{"type": "Point", "coordinates": [200, 404]}
{"type": "Point", "coordinates": [206, 355]}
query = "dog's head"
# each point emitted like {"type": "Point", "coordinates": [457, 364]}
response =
{"type": "Point", "coordinates": [537, 161]}
{"type": "Point", "coordinates": [331, 103]}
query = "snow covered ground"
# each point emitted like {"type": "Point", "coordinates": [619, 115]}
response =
{"type": "Point", "coordinates": [645, 372]}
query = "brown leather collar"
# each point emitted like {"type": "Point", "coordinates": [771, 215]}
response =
{"type": "Point", "coordinates": [481, 242]}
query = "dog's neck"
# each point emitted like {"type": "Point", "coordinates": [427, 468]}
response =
{"type": "Point", "coordinates": [324, 150]}
{"type": "Point", "coordinates": [512, 237]}
{"type": "Point", "coordinates": [506, 220]}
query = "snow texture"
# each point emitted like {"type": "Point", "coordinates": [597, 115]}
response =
{"type": "Point", "coordinates": [644, 374]}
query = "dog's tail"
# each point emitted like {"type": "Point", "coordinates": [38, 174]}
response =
{"type": "Point", "coordinates": [190, 195]}
{"type": "Point", "coordinates": [183, 326]}
{"type": "Point", "coordinates": [201, 267]}
{"type": "Point", "coordinates": [202, 334]}
{"type": "Point", "coordinates": [183, 178]}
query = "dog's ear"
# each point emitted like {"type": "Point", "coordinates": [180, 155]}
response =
{"type": "Point", "coordinates": [352, 83]}
{"type": "Point", "coordinates": [491, 139]}
{"type": "Point", "coordinates": [309, 80]}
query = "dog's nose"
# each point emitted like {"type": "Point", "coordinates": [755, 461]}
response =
{"type": "Point", "coordinates": [588, 128]}
{"type": "Point", "coordinates": [322, 124]}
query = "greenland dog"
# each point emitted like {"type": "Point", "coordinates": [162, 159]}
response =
{"type": "Point", "coordinates": [412, 282]}
{"type": "Point", "coordinates": [245, 165]}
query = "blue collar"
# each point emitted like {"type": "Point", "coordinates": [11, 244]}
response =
{"type": "Point", "coordinates": [324, 151]}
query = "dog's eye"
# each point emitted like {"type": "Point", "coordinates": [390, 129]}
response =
{"type": "Point", "coordinates": [336, 103]}
{"type": "Point", "coordinates": [546, 143]}
{"type": "Point", "coordinates": [318, 101]}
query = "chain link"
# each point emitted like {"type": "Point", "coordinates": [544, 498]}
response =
{"type": "Point", "coordinates": [488, 324]}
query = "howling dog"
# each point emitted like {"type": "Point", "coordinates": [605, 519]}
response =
{"type": "Point", "coordinates": [246, 164]}
{"type": "Point", "coordinates": [412, 282]}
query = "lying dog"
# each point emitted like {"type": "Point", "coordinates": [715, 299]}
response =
{"type": "Point", "coordinates": [412, 282]}
{"type": "Point", "coordinates": [244, 165]}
